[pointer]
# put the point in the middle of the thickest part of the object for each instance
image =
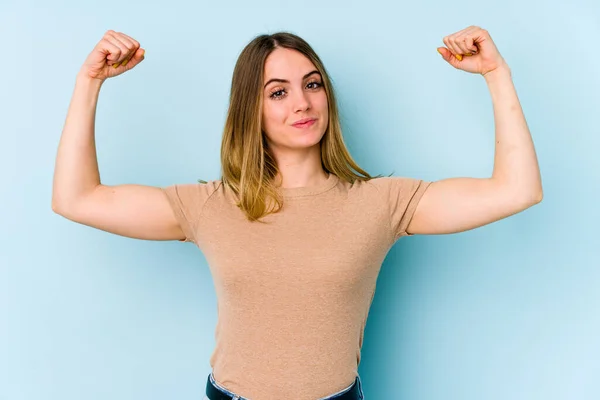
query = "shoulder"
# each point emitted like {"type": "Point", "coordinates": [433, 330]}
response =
{"type": "Point", "coordinates": [387, 182]}
{"type": "Point", "coordinates": [389, 185]}
{"type": "Point", "coordinates": [398, 191]}
{"type": "Point", "coordinates": [194, 193]}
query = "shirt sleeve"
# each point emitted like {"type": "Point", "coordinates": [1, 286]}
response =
{"type": "Point", "coordinates": [187, 202]}
{"type": "Point", "coordinates": [402, 196]}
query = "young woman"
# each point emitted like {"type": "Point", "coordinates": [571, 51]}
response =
{"type": "Point", "coordinates": [294, 231]}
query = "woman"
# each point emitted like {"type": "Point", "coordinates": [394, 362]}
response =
{"type": "Point", "coordinates": [294, 231]}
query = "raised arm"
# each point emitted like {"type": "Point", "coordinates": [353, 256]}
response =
{"type": "Point", "coordinates": [135, 211]}
{"type": "Point", "coordinates": [459, 204]}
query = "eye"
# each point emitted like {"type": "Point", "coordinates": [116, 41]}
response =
{"type": "Point", "coordinates": [277, 94]}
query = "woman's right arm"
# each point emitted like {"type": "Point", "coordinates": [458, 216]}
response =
{"type": "Point", "coordinates": [136, 211]}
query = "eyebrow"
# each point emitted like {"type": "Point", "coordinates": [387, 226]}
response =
{"type": "Point", "coordinates": [286, 81]}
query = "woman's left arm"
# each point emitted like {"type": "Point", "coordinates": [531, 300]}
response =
{"type": "Point", "coordinates": [460, 204]}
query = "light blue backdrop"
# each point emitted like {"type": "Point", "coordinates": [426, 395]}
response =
{"type": "Point", "coordinates": [508, 311]}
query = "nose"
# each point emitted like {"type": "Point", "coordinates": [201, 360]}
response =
{"type": "Point", "coordinates": [302, 103]}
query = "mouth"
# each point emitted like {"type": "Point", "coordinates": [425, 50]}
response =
{"type": "Point", "coordinates": [304, 123]}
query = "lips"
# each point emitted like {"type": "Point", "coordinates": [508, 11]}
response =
{"type": "Point", "coordinates": [304, 122]}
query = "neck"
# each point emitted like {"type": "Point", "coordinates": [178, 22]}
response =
{"type": "Point", "coordinates": [301, 170]}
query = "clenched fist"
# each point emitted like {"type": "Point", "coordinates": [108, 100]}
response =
{"type": "Point", "coordinates": [114, 54]}
{"type": "Point", "coordinates": [476, 44]}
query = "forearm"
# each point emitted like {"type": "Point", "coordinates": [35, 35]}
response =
{"type": "Point", "coordinates": [515, 161]}
{"type": "Point", "coordinates": [76, 169]}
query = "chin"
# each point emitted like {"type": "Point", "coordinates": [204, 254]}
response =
{"type": "Point", "coordinates": [299, 139]}
{"type": "Point", "coordinates": [309, 140]}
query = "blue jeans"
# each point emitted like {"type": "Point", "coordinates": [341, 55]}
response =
{"type": "Point", "coordinates": [329, 397]}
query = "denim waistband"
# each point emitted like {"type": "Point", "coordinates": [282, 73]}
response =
{"type": "Point", "coordinates": [333, 396]}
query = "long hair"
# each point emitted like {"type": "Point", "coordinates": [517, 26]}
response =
{"type": "Point", "coordinates": [248, 166]}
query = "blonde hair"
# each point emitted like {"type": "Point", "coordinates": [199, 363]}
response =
{"type": "Point", "coordinates": [248, 166]}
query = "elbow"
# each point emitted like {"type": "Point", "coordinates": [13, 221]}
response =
{"type": "Point", "coordinates": [67, 211]}
{"type": "Point", "coordinates": [61, 207]}
{"type": "Point", "coordinates": [537, 195]}
{"type": "Point", "coordinates": [524, 195]}
{"type": "Point", "coordinates": [59, 199]}
{"type": "Point", "coordinates": [531, 199]}
{"type": "Point", "coordinates": [57, 207]}
{"type": "Point", "coordinates": [518, 200]}
{"type": "Point", "coordinates": [55, 204]}
{"type": "Point", "coordinates": [64, 202]}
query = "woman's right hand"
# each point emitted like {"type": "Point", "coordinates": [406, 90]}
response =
{"type": "Point", "coordinates": [114, 54]}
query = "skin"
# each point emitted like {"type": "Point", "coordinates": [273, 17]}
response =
{"type": "Point", "coordinates": [459, 204]}
{"type": "Point", "coordinates": [447, 206]}
{"type": "Point", "coordinates": [297, 151]}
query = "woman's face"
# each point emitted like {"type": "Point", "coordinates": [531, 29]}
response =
{"type": "Point", "coordinates": [293, 91]}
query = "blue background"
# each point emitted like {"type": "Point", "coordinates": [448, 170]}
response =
{"type": "Point", "coordinates": [507, 311]}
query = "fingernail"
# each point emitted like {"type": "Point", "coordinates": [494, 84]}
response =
{"type": "Point", "coordinates": [116, 65]}
{"type": "Point", "coordinates": [459, 57]}
{"type": "Point", "coordinates": [438, 50]}
{"type": "Point", "coordinates": [126, 61]}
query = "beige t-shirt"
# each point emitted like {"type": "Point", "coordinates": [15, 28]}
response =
{"type": "Point", "coordinates": [293, 294]}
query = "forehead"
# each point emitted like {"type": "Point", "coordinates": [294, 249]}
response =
{"type": "Point", "coordinates": [286, 63]}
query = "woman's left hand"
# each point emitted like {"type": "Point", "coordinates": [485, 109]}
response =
{"type": "Point", "coordinates": [472, 50]}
